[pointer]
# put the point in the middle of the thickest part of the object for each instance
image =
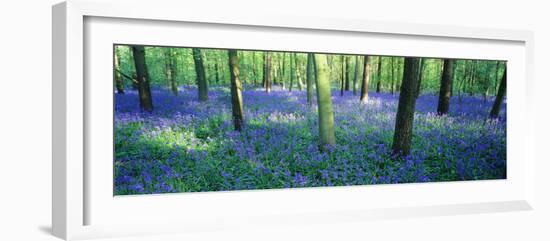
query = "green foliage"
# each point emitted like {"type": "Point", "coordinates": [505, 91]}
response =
{"type": "Point", "coordinates": [471, 77]}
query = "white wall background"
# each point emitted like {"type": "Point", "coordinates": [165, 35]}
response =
{"type": "Point", "coordinates": [25, 119]}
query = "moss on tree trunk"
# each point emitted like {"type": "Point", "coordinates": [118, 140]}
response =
{"type": "Point", "coordinates": [119, 82]}
{"type": "Point", "coordinates": [500, 97]}
{"type": "Point", "coordinates": [236, 91]}
{"type": "Point", "coordinates": [405, 111]}
{"type": "Point", "coordinates": [366, 79]}
{"type": "Point", "coordinates": [310, 78]}
{"type": "Point", "coordinates": [445, 87]}
{"type": "Point", "coordinates": [201, 77]}
{"type": "Point", "coordinates": [144, 89]}
{"type": "Point", "coordinates": [324, 103]}
{"type": "Point", "coordinates": [267, 72]}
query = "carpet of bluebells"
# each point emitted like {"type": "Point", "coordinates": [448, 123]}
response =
{"type": "Point", "coordinates": [190, 146]}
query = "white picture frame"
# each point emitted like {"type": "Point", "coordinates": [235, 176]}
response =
{"type": "Point", "coordinates": [79, 195]}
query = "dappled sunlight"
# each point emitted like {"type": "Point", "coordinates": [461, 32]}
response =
{"type": "Point", "coordinates": [195, 120]}
{"type": "Point", "coordinates": [186, 145]}
{"type": "Point", "coordinates": [285, 117]}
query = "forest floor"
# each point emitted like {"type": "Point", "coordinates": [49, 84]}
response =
{"type": "Point", "coordinates": [189, 146]}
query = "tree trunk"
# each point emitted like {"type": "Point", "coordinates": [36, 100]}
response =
{"type": "Point", "coordinates": [236, 91]}
{"type": "Point", "coordinates": [274, 70]}
{"type": "Point", "coordinates": [330, 59]}
{"type": "Point", "coordinates": [460, 81]}
{"type": "Point", "coordinates": [405, 111]}
{"type": "Point", "coordinates": [465, 78]}
{"type": "Point", "coordinates": [445, 87]}
{"type": "Point", "coordinates": [217, 72]}
{"type": "Point", "coordinates": [356, 75]}
{"type": "Point", "coordinates": [496, 76]}
{"type": "Point", "coordinates": [310, 78]}
{"type": "Point", "coordinates": [392, 77]}
{"type": "Point", "coordinates": [401, 70]}
{"type": "Point", "coordinates": [420, 75]}
{"type": "Point", "coordinates": [486, 83]}
{"type": "Point", "coordinates": [298, 75]}
{"type": "Point", "coordinates": [455, 67]}
{"type": "Point", "coordinates": [201, 77]}
{"type": "Point", "coordinates": [473, 77]}
{"type": "Point", "coordinates": [284, 71]}
{"type": "Point", "coordinates": [144, 89]}
{"type": "Point", "coordinates": [500, 96]}
{"type": "Point", "coordinates": [255, 76]}
{"type": "Point", "coordinates": [263, 69]}
{"type": "Point", "coordinates": [267, 72]}
{"type": "Point", "coordinates": [324, 103]}
{"type": "Point", "coordinates": [119, 82]}
{"type": "Point", "coordinates": [378, 75]}
{"type": "Point", "coordinates": [292, 71]}
{"type": "Point", "coordinates": [366, 78]}
{"type": "Point", "coordinates": [135, 85]}
{"type": "Point", "coordinates": [169, 70]}
{"type": "Point", "coordinates": [343, 79]}
{"type": "Point", "coordinates": [348, 66]}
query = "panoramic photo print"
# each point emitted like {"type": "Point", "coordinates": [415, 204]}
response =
{"type": "Point", "coordinates": [200, 119]}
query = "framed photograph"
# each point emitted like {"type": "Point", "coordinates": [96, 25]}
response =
{"type": "Point", "coordinates": [167, 122]}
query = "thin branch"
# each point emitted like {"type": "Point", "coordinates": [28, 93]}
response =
{"type": "Point", "coordinates": [127, 77]}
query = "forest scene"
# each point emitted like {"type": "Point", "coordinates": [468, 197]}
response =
{"type": "Point", "coordinates": [197, 119]}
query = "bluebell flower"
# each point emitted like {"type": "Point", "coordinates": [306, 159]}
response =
{"type": "Point", "coordinates": [279, 146]}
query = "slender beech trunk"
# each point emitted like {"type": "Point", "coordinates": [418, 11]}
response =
{"type": "Point", "coordinates": [445, 87]}
{"type": "Point", "coordinates": [331, 68]}
{"type": "Point", "coordinates": [135, 84]}
{"type": "Point", "coordinates": [356, 75]}
{"type": "Point", "coordinates": [348, 68]}
{"type": "Point", "coordinates": [119, 82]}
{"type": "Point", "coordinates": [365, 81]}
{"type": "Point", "coordinates": [466, 77]}
{"type": "Point", "coordinates": [343, 79]}
{"type": "Point", "coordinates": [420, 75]}
{"type": "Point", "coordinates": [324, 103]}
{"type": "Point", "coordinates": [455, 67]}
{"type": "Point", "coordinates": [144, 89]}
{"type": "Point", "coordinates": [473, 78]}
{"type": "Point", "coordinates": [169, 70]}
{"type": "Point", "coordinates": [486, 84]}
{"type": "Point", "coordinates": [217, 72]}
{"type": "Point", "coordinates": [284, 70]}
{"type": "Point", "coordinates": [201, 76]}
{"type": "Point", "coordinates": [173, 83]}
{"type": "Point", "coordinates": [292, 72]}
{"type": "Point", "coordinates": [460, 87]}
{"type": "Point", "coordinates": [401, 72]}
{"type": "Point", "coordinates": [402, 137]}
{"type": "Point", "coordinates": [496, 76]}
{"type": "Point", "coordinates": [263, 69]}
{"type": "Point", "coordinates": [255, 76]}
{"type": "Point", "coordinates": [267, 72]}
{"type": "Point", "coordinates": [500, 96]}
{"type": "Point", "coordinates": [274, 70]}
{"type": "Point", "coordinates": [310, 78]}
{"type": "Point", "coordinates": [378, 75]}
{"type": "Point", "coordinates": [392, 77]}
{"type": "Point", "coordinates": [236, 91]}
{"type": "Point", "coordinates": [298, 75]}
